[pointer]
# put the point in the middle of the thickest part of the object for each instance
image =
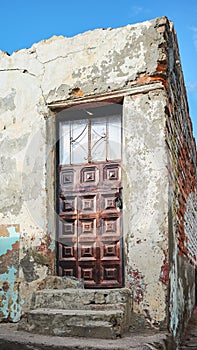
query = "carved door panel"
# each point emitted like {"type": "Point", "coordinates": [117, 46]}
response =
{"type": "Point", "coordinates": [90, 223]}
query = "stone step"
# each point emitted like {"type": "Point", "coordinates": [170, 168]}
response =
{"type": "Point", "coordinates": [81, 298]}
{"type": "Point", "coordinates": [79, 312]}
{"type": "Point", "coordinates": [106, 324]}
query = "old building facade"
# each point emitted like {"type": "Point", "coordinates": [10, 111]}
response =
{"type": "Point", "coordinates": [98, 170]}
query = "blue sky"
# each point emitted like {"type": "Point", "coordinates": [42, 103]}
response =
{"type": "Point", "coordinates": [24, 22]}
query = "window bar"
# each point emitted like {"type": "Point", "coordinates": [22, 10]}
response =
{"type": "Point", "coordinates": [89, 142]}
{"type": "Point", "coordinates": [70, 136]}
{"type": "Point", "coordinates": [61, 143]}
{"type": "Point", "coordinates": [107, 138]}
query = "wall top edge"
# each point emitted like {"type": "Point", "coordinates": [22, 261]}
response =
{"type": "Point", "coordinates": [114, 96]}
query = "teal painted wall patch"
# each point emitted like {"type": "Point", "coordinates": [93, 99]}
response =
{"type": "Point", "coordinates": [10, 303]}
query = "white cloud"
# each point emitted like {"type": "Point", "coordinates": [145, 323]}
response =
{"type": "Point", "coordinates": [136, 10]}
{"type": "Point", "coordinates": [191, 85]}
{"type": "Point", "coordinates": [194, 30]}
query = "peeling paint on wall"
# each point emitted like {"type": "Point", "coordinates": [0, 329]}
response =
{"type": "Point", "coordinates": [176, 296]}
{"type": "Point", "coordinates": [7, 102]}
{"type": "Point", "coordinates": [137, 285]}
{"type": "Point", "coordinates": [146, 202]}
{"type": "Point", "coordinates": [159, 162]}
{"type": "Point", "coordinates": [41, 255]}
{"type": "Point", "coordinates": [191, 226]}
{"type": "Point", "coordinates": [164, 275]}
{"type": "Point", "coordinates": [10, 303]}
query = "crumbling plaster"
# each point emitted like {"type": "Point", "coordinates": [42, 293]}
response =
{"type": "Point", "coordinates": [139, 60]}
{"type": "Point", "coordinates": [10, 301]}
{"type": "Point", "coordinates": [23, 199]}
{"type": "Point", "coordinates": [146, 201]}
{"type": "Point", "coordinates": [182, 174]}
{"type": "Point", "coordinates": [100, 56]}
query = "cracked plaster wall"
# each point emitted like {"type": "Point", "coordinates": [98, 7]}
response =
{"type": "Point", "coordinates": [110, 59]}
{"type": "Point", "coordinates": [22, 178]}
{"type": "Point", "coordinates": [94, 63]}
{"type": "Point", "coordinates": [146, 203]}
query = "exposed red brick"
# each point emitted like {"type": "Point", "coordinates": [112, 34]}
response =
{"type": "Point", "coordinates": [161, 68]}
{"type": "Point", "coordinates": [164, 274]}
{"type": "Point", "coordinates": [152, 79]}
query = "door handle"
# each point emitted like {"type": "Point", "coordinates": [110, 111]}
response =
{"type": "Point", "coordinates": [118, 199]}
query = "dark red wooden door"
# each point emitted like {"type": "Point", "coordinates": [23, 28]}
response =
{"type": "Point", "coordinates": [90, 223]}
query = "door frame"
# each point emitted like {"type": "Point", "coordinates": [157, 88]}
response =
{"type": "Point", "coordinates": [58, 119]}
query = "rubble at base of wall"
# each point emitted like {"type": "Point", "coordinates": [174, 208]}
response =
{"type": "Point", "coordinates": [56, 282]}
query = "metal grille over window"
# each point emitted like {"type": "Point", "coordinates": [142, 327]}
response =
{"type": "Point", "coordinates": [90, 140]}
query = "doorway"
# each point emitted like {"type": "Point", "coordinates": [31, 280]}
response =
{"type": "Point", "coordinates": [89, 195]}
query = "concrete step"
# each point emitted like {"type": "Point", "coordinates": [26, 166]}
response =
{"type": "Point", "coordinates": [13, 339]}
{"type": "Point", "coordinates": [105, 324]}
{"type": "Point", "coordinates": [79, 312]}
{"type": "Point", "coordinates": [81, 298]}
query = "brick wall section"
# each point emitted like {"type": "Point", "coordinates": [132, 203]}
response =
{"type": "Point", "coordinates": [181, 150]}
{"type": "Point", "coordinates": [182, 170]}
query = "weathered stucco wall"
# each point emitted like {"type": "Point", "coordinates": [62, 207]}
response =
{"type": "Point", "coordinates": [22, 181]}
{"type": "Point", "coordinates": [146, 203]}
{"type": "Point", "coordinates": [139, 63]}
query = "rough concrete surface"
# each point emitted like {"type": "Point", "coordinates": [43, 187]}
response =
{"type": "Point", "coordinates": [103, 314]}
{"type": "Point", "coordinates": [12, 339]}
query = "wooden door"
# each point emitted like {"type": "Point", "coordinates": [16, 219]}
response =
{"type": "Point", "coordinates": [89, 197]}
